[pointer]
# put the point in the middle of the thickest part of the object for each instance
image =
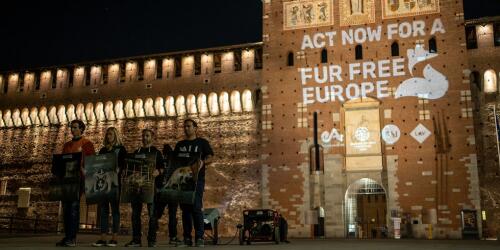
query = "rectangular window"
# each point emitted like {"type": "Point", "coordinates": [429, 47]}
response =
{"type": "Point", "coordinates": [471, 36]}
{"type": "Point", "coordinates": [87, 74]}
{"type": "Point", "coordinates": [140, 70]}
{"type": "Point", "coordinates": [122, 72]}
{"type": "Point", "coordinates": [105, 74]}
{"type": "Point", "coordinates": [178, 66]}
{"type": "Point", "coordinates": [20, 83]}
{"type": "Point", "coordinates": [36, 80]}
{"type": "Point", "coordinates": [53, 79]}
{"type": "Point", "coordinates": [197, 64]}
{"type": "Point", "coordinates": [258, 59]}
{"type": "Point", "coordinates": [237, 60]}
{"type": "Point", "coordinates": [496, 33]}
{"type": "Point", "coordinates": [71, 73]}
{"type": "Point", "coordinates": [217, 63]}
{"type": "Point", "coordinates": [159, 69]}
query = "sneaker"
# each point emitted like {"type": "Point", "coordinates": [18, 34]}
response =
{"type": "Point", "coordinates": [184, 243]}
{"type": "Point", "coordinates": [173, 241]}
{"type": "Point", "coordinates": [99, 243]}
{"type": "Point", "coordinates": [70, 243]}
{"type": "Point", "coordinates": [66, 243]}
{"type": "Point", "coordinates": [61, 242]}
{"type": "Point", "coordinates": [133, 243]}
{"type": "Point", "coordinates": [112, 243]}
{"type": "Point", "coordinates": [151, 243]}
{"type": "Point", "coordinates": [199, 243]}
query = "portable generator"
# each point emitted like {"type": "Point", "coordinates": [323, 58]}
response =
{"type": "Point", "coordinates": [260, 225]}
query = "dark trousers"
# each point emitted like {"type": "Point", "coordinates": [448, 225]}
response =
{"type": "Point", "coordinates": [159, 208]}
{"type": "Point", "coordinates": [115, 213]}
{"type": "Point", "coordinates": [193, 215]}
{"type": "Point", "coordinates": [136, 219]}
{"type": "Point", "coordinates": [71, 218]}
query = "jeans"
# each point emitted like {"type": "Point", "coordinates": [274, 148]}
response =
{"type": "Point", "coordinates": [194, 214]}
{"type": "Point", "coordinates": [136, 219]}
{"type": "Point", "coordinates": [159, 208]}
{"type": "Point", "coordinates": [115, 213]}
{"type": "Point", "coordinates": [71, 218]}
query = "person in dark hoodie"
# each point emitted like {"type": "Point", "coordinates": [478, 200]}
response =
{"type": "Point", "coordinates": [147, 148]}
{"type": "Point", "coordinates": [112, 144]}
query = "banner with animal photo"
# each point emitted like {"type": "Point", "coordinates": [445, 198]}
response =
{"type": "Point", "coordinates": [138, 178]}
{"type": "Point", "coordinates": [101, 178]}
{"type": "Point", "coordinates": [180, 179]}
{"type": "Point", "coordinates": [64, 185]}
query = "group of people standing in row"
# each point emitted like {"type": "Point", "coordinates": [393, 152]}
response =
{"type": "Point", "coordinates": [192, 214]}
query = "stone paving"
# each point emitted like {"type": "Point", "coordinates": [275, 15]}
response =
{"type": "Point", "coordinates": [85, 241]}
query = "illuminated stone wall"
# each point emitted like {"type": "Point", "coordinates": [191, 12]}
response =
{"type": "Point", "coordinates": [224, 103]}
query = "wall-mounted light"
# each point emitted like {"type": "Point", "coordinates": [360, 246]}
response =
{"type": "Point", "coordinates": [14, 77]}
{"type": "Point", "coordinates": [188, 58]}
{"type": "Point", "coordinates": [151, 62]}
{"type": "Point", "coordinates": [79, 71]}
{"type": "Point", "coordinates": [484, 29]}
{"type": "Point", "coordinates": [114, 67]}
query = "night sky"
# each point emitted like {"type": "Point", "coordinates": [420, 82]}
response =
{"type": "Point", "coordinates": [46, 33]}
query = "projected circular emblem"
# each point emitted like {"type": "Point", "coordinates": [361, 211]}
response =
{"type": "Point", "coordinates": [362, 134]}
{"type": "Point", "coordinates": [391, 134]}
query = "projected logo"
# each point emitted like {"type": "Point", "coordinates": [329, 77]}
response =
{"type": "Point", "coordinates": [433, 84]}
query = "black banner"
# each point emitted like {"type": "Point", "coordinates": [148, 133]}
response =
{"type": "Point", "coordinates": [65, 182]}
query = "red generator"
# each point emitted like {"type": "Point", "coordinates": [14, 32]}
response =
{"type": "Point", "coordinates": [260, 225]}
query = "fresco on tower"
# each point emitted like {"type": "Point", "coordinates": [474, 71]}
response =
{"type": "Point", "coordinates": [354, 12]}
{"type": "Point", "coordinates": [403, 8]}
{"type": "Point", "coordinates": [306, 14]}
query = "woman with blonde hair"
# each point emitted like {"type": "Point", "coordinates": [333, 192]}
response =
{"type": "Point", "coordinates": [112, 144]}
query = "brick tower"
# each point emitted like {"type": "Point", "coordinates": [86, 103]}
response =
{"type": "Point", "coordinates": [388, 80]}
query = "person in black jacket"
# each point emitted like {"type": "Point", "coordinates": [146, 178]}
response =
{"type": "Point", "coordinates": [112, 144]}
{"type": "Point", "coordinates": [159, 206]}
{"type": "Point", "coordinates": [147, 148]}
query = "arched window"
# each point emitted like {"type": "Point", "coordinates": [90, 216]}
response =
{"type": "Point", "coordinates": [395, 49]}
{"type": "Point", "coordinates": [359, 52]}
{"type": "Point", "coordinates": [289, 60]}
{"type": "Point", "coordinates": [324, 56]}
{"type": "Point", "coordinates": [433, 45]}
{"type": "Point", "coordinates": [490, 81]}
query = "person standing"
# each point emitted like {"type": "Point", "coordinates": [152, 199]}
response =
{"type": "Point", "coordinates": [71, 209]}
{"type": "Point", "coordinates": [159, 206]}
{"type": "Point", "coordinates": [147, 148]}
{"type": "Point", "coordinates": [190, 147]}
{"type": "Point", "coordinates": [112, 144]}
